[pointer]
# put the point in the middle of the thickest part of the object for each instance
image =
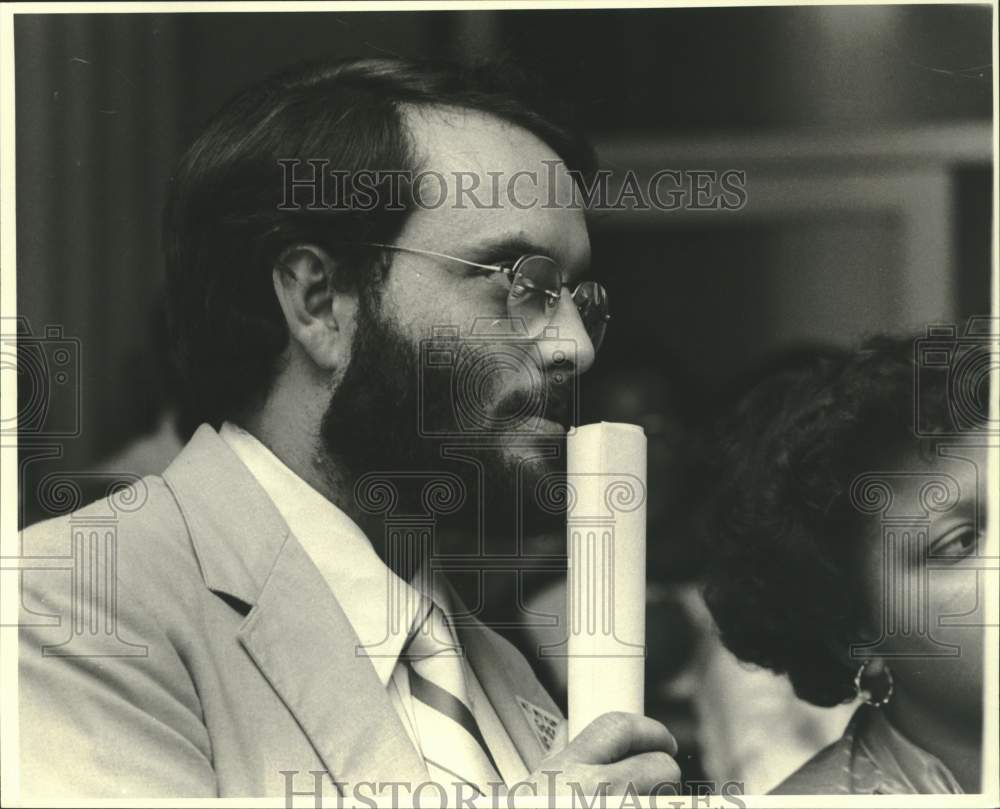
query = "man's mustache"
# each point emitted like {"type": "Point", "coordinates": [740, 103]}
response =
{"type": "Point", "coordinates": [549, 401]}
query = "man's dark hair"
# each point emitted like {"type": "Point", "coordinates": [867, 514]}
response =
{"type": "Point", "coordinates": [224, 229]}
{"type": "Point", "coordinates": [785, 541]}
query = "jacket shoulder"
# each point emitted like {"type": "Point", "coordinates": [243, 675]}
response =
{"type": "Point", "coordinates": [104, 689]}
{"type": "Point", "coordinates": [139, 530]}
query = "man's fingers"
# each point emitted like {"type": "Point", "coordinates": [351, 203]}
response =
{"type": "Point", "coordinates": [618, 735]}
{"type": "Point", "coordinates": [619, 749]}
{"type": "Point", "coordinates": [644, 772]}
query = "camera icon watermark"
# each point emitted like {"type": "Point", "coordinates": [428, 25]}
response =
{"type": "Point", "coordinates": [48, 380]}
{"type": "Point", "coordinates": [497, 381]}
{"type": "Point", "coordinates": [967, 363]}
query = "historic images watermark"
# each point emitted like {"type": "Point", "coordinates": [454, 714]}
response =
{"type": "Point", "coordinates": [313, 185]}
{"type": "Point", "coordinates": [966, 361]}
{"type": "Point", "coordinates": [90, 558]}
{"type": "Point", "coordinates": [905, 506]}
{"type": "Point", "coordinates": [317, 785]}
{"type": "Point", "coordinates": [540, 368]}
{"type": "Point", "coordinates": [931, 520]}
{"type": "Point", "coordinates": [481, 389]}
{"type": "Point", "coordinates": [47, 364]}
{"type": "Point", "coordinates": [501, 389]}
{"type": "Point", "coordinates": [48, 381]}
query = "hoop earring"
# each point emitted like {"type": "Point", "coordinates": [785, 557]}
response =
{"type": "Point", "coordinates": [865, 693]}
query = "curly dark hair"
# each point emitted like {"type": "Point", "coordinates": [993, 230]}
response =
{"type": "Point", "coordinates": [784, 539]}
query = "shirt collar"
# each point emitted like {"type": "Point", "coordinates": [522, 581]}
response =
{"type": "Point", "coordinates": [360, 581]}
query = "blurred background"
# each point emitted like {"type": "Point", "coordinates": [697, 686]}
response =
{"type": "Point", "coordinates": [865, 135]}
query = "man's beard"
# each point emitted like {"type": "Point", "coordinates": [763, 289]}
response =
{"type": "Point", "coordinates": [393, 417]}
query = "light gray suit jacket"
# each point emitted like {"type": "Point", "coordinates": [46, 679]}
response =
{"type": "Point", "coordinates": [232, 659]}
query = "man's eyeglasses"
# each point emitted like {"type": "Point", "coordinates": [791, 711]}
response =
{"type": "Point", "coordinates": [535, 290]}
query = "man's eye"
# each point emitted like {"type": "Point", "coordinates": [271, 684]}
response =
{"type": "Point", "coordinates": [956, 544]}
{"type": "Point", "coordinates": [506, 265]}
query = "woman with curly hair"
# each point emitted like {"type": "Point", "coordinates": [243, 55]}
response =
{"type": "Point", "coordinates": [845, 545]}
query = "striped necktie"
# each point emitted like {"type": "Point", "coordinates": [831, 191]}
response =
{"type": "Point", "coordinates": [450, 739]}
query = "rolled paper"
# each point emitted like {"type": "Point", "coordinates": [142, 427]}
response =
{"type": "Point", "coordinates": [606, 589]}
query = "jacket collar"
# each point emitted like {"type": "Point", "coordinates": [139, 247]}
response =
{"type": "Point", "coordinates": [235, 529]}
{"type": "Point", "coordinates": [339, 549]}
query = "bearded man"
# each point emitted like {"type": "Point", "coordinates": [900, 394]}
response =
{"type": "Point", "coordinates": [381, 375]}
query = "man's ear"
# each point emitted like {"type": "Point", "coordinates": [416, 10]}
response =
{"type": "Point", "coordinates": [320, 316]}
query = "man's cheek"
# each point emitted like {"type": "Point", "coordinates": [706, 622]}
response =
{"type": "Point", "coordinates": [421, 305]}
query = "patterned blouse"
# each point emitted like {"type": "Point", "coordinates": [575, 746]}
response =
{"type": "Point", "coordinates": [871, 758]}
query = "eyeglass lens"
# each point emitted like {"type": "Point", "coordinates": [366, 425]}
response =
{"type": "Point", "coordinates": [534, 296]}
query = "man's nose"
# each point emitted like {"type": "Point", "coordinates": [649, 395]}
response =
{"type": "Point", "coordinates": [571, 341]}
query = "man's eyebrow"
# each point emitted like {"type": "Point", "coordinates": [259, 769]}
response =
{"type": "Point", "coordinates": [516, 245]}
{"type": "Point", "coordinates": [506, 246]}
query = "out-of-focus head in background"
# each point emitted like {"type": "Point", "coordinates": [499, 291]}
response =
{"type": "Point", "coordinates": [848, 525]}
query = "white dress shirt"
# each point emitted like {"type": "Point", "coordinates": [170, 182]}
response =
{"type": "Point", "coordinates": [360, 582]}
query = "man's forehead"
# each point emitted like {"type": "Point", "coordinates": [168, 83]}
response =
{"type": "Point", "coordinates": [458, 138]}
{"type": "Point", "coordinates": [498, 182]}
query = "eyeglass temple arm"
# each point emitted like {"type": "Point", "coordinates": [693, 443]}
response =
{"type": "Point", "coordinates": [492, 267]}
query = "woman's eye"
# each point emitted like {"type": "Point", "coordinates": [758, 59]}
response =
{"type": "Point", "coordinates": [956, 545]}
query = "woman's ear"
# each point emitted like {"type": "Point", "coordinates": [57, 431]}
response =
{"type": "Point", "coordinates": [871, 668]}
{"type": "Point", "coordinates": [320, 316]}
{"type": "Point", "coordinates": [841, 650]}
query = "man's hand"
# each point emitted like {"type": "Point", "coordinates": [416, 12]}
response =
{"type": "Point", "coordinates": [616, 749]}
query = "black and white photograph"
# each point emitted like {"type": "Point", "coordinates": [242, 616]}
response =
{"type": "Point", "coordinates": [480, 404]}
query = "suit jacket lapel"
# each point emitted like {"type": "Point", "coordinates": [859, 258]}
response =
{"type": "Point", "coordinates": [296, 632]}
{"type": "Point", "coordinates": [299, 637]}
